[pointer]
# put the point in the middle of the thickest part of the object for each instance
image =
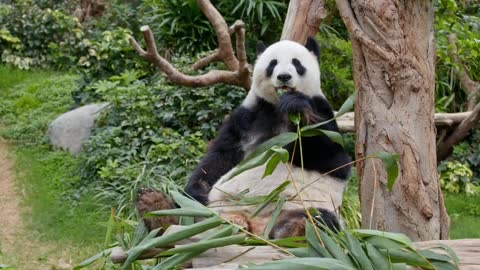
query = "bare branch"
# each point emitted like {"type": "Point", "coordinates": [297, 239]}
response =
{"type": "Point", "coordinates": [471, 87]}
{"type": "Point", "coordinates": [218, 54]}
{"type": "Point", "coordinates": [214, 57]}
{"type": "Point", "coordinates": [225, 48]}
{"type": "Point", "coordinates": [462, 131]}
{"type": "Point", "coordinates": [357, 33]}
{"type": "Point", "coordinates": [238, 72]}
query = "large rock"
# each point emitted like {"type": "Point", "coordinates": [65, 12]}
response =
{"type": "Point", "coordinates": [70, 130]}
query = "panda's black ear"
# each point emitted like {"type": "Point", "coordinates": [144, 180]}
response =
{"type": "Point", "coordinates": [312, 46]}
{"type": "Point", "coordinates": [260, 47]}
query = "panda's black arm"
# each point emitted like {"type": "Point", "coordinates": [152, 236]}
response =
{"type": "Point", "coordinates": [224, 153]}
{"type": "Point", "coordinates": [319, 152]}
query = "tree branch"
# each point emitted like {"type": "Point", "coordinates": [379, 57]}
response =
{"type": "Point", "coordinates": [357, 33]}
{"type": "Point", "coordinates": [238, 72]}
{"type": "Point", "coordinates": [469, 86]}
{"type": "Point", "coordinates": [444, 121]}
{"type": "Point", "coordinates": [462, 131]}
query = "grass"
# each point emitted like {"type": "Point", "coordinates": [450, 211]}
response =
{"type": "Point", "coordinates": [45, 177]}
{"type": "Point", "coordinates": [464, 213]}
{"type": "Point", "coordinates": [68, 223]}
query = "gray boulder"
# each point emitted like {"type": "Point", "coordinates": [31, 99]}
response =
{"type": "Point", "coordinates": [70, 130]}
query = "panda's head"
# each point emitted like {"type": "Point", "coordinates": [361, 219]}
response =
{"type": "Point", "coordinates": [286, 66]}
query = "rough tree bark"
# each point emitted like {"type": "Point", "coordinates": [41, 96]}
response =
{"type": "Point", "coordinates": [303, 19]}
{"type": "Point", "coordinates": [394, 72]}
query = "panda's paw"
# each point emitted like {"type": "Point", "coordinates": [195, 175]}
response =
{"type": "Point", "coordinates": [309, 117]}
{"type": "Point", "coordinates": [149, 200]}
{"type": "Point", "coordinates": [238, 218]}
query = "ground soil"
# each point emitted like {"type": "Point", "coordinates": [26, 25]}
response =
{"type": "Point", "coordinates": [21, 248]}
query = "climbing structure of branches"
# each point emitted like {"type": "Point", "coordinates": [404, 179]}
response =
{"type": "Point", "coordinates": [238, 72]}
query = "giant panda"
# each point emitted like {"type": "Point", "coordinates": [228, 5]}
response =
{"type": "Point", "coordinates": [286, 80]}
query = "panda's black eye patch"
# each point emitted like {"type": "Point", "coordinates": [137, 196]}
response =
{"type": "Point", "coordinates": [298, 66]}
{"type": "Point", "coordinates": [271, 67]}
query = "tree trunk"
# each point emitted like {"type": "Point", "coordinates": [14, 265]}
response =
{"type": "Point", "coordinates": [394, 54]}
{"type": "Point", "coordinates": [303, 19]}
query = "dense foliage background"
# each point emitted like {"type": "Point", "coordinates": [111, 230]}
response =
{"type": "Point", "coordinates": [154, 133]}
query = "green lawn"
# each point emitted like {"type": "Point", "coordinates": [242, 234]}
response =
{"type": "Point", "coordinates": [67, 222]}
{"type": "Point", "coordinates": [464, 213]}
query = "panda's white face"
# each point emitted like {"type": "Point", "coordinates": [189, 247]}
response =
{"type": "Point", "coordinates": [285, 66]}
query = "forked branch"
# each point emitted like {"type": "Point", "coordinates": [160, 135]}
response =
{"type": "Point", "coordinates": [469, 86]}
{"type": "Point", "coordinates": [472, 89]}
{"type": "Point", "coordinates": [238, 72]}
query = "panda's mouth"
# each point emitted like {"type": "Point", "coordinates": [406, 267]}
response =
{"type": "Point", "coordinates": [284, 89]}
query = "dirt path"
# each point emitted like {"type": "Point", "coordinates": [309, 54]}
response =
{"type": "Point", "coordinates": [19, 248]}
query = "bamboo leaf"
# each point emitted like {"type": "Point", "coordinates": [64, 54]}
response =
{"type": "Point", "coordinates": [357, 252]}
{"type": "Point", "coordinates": [391, 165]}
{"type": "Point", "coordinates": [334, 136]}
{"type": "Point", "coordinates": [275, 214]}
{"type": "Point", "coordinates": [384, 242]}
{"type": "Point", "coordinates": [184, 201]}
{"type": "Point", "coordinates": [335, 249]}
{"type": "Point", "coordinates": [279, 140]}
{"type": "Point", "coordinates": [399, 237]}
{"type": "Point", "coordinates": [189, 212]}
{"type": "Point", "coordinates": [164, 240]}
{"type": "Point", "coordinates": [347, 105]}
{"type": "Point", "coordinates": [274, 194]}
{"type": "Point", "coordinates": [179, 259]}
{"type": "Point", "coordinates": [250, 164]}
{"type": "Point", "coordinates": [378, 259]}
{"type": "Point", "coordinates": [271, 165]}
{"type": "Point", "coordinates": [207, 244]}
{"type": "Point", "coordinates": [304, 264]}
{"type": "Point", "coordinates": [408, 257]}
{"type": "Point", "coordinates": [314, 242]}
{"type": "Point", "coordinates": [93, 259]}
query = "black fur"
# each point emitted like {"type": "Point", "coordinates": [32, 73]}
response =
{"type": "Point", "coordinates": [271, 67]}
{"type": "Point", "coordinates": [226, 151]}
{"type": "Point", "coordinates": [312, 46]}
{"type": "Point", "coordinates": [299, 67]}
{"type": "Point", "coordinates": [319, 152]}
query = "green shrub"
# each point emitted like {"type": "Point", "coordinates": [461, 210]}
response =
{"type": "Point", "coordinates": [151, 134]}
{"type": "Point", "coordinates": [456, 177]}
{"type": "Point", "coordinates": [185, 29]}
{"type": "Point", "coordinates": [336, 66]}
{"type": "Point", "coordinates": [463, 20]}
{"type": "Point", "coordinates": [35, 28]}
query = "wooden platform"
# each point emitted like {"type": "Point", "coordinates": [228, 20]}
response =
{"type": "Point", "coordinates": [232, 257]}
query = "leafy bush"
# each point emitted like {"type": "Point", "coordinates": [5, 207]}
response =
{"type": "Point", "coordinates": [184, 28]}
{"type": "Point", "coordinates": [456, 177]}
{"type": "Point", "coordinates": [336, 66]}
{"type": "Point", "coordinates": [462, 19]}
{"type": "Point", "coordinates": [36, 28]}
{"type": "Point", "coordinates": [467, 154]}
{"type": "Point", "coordinates": [153, 133]}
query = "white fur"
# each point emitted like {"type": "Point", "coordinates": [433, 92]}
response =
{"type": "Point", "coordinates": [320, 192]}
{"type": "Point", "coordinates": [284, 51]}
